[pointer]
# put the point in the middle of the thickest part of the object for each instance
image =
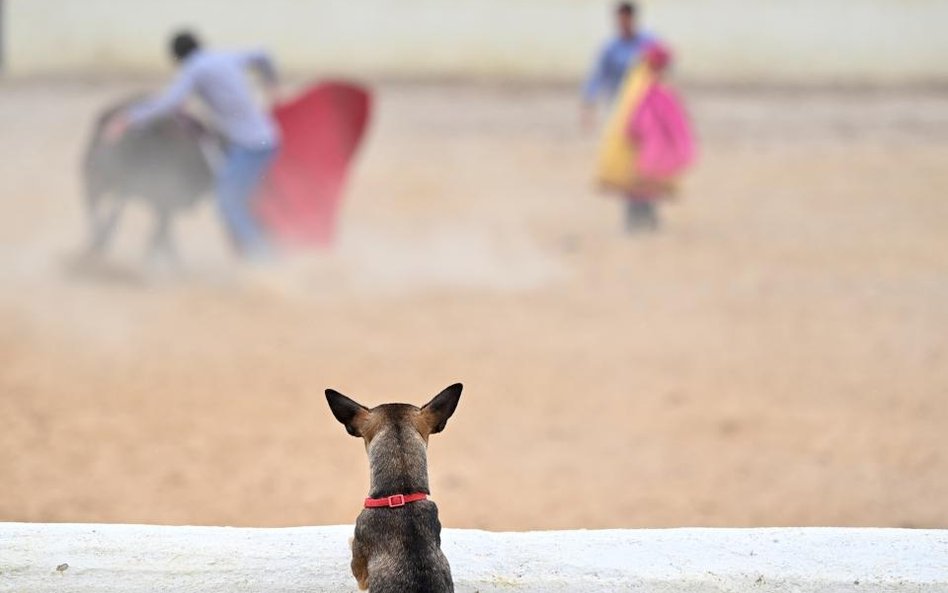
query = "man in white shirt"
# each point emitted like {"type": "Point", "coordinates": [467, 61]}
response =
{"type": "Point", "coordinates": [253, 138]}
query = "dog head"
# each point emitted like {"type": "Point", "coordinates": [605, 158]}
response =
{"type": "Point", "coordinates": [404, 419]}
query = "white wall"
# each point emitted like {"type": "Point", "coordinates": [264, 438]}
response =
{"type": "Point", "coordinates": [731, 40]}
{"type": "Point", "coordinates": [145, 559]}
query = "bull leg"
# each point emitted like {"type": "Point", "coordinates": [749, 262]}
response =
{"type": "Point", "coordinates": [103, 219]}
{"type": "Point", "coordinates": [161, 244]}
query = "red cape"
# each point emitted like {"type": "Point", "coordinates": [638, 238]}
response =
{"type": "Point", "coordinates": [321, 129]}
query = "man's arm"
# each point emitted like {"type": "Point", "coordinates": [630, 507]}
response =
{"type": "Point", "coordinates": [593, 86]}
{"type": "Point", "coordinates": [165, 104]}
{"type": "Point", "coordinates": [149, 110]}
{"type": "Point", "coordinates": [592, 89]}
{"type": "Point", "coordinates": [261, 61]}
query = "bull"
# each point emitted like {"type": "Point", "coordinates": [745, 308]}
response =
{"type": "Point", "coordinates": [165, 164]}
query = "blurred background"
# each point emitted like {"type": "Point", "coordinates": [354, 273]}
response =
{"type": "Point", "coordinates": [777, 354]}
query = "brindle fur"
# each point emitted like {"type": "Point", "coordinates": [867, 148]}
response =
{"type": "Point", "coordinates": [398, 550]}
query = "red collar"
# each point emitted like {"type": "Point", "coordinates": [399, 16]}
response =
{"type": "Point", "coordinates": [394, 501]}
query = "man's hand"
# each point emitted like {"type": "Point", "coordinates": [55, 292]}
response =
{"type": "Point", "coordinates": [587, 117]}
{"type": "Point", "coordinates": [116, 128]}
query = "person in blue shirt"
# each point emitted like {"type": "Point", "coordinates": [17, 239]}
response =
{"type": "Point", "coordinates": [252, 136]}
{"type": "Point", "coordinates": [615, 59]}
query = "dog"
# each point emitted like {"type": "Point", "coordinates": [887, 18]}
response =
{"type": "Point", "coordinates": [397, 543]}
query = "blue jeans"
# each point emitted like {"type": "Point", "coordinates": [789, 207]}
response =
{"type": "Point", "coordinates": [237, 181]}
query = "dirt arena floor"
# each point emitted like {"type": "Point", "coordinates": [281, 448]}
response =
{"type": "Point", "coordinates": [776, 355]}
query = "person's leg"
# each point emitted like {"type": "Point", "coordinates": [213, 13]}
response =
{"type": "Point", "coordinates": [640, 214]}
{"type": "Point", "coordinates": [242, 172]}
{"type": "Point", "coordinates": [633, 215]}
{"type": "Point", "coordinates": [650, 214]}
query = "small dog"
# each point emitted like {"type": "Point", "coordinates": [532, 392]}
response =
{"type": "Point", "coordinates": [397, 543]}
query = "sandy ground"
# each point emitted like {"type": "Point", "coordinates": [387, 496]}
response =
{"type": "Point", "coordinates": [777, 355]}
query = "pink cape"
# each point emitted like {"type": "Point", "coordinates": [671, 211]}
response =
{"type": "Point", "coordinates": [660, 129]}
{"type": "Point", "coordinates": [321, 129]}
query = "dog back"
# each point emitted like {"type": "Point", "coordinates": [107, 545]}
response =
{"type": "Point", "coordinates": [404, 549]}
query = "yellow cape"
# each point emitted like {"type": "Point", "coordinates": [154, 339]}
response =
{"type": "Point", "coordinates": [616, 168]}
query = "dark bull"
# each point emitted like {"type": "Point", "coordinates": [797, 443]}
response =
{"type": "Point", "coordinates": [165, 164]}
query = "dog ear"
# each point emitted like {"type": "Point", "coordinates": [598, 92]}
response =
{"type": "Point", "coordinates": [439, 409]}
{"type": "Point", "coordinates": [350, 413]}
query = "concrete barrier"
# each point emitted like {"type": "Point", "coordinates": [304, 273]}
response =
{"type": "Point", "coordinates": [40, 558]}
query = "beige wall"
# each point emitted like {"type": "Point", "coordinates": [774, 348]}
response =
{"type": "Point", "coordinates": [732, 40]}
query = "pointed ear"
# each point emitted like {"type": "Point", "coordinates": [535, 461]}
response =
{"type": "Point", "coordinates": [438, 410]}
{"type": "Point", "coordinates": [350, 413]}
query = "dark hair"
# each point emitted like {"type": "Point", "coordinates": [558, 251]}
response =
{"type": "Point", "coordinates": [627, 8]}
{"type": "Point", "coordinates": [183, 44]}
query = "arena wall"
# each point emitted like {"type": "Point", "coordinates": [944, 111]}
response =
{"type": "Point", "coordinates": [779, 41]}
{"type": "Point", "coordinates": [64, 558]}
